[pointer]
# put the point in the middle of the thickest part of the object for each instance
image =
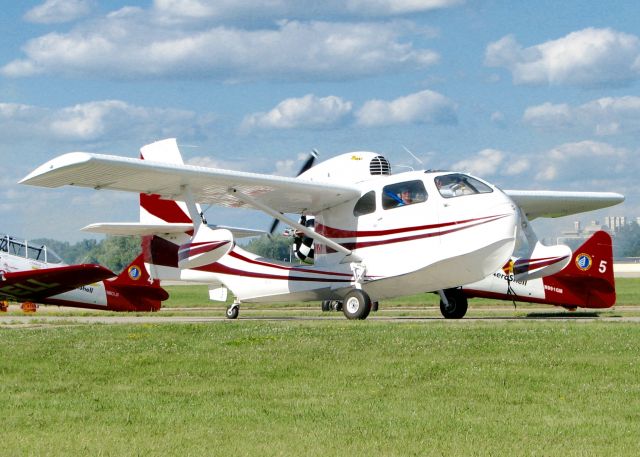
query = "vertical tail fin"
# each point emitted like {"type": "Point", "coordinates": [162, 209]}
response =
{"type": "Point", "coordinates": [134, 290]}
{"type": "Point", "coordinates": [153, 209]}
{"type": "Point", "coordinates": [161, 251]}
{"type": "Point", "coordinates": [589, 275]}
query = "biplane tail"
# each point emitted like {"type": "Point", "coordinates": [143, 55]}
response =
{"type": "Point", "coordinates": [135, 290]}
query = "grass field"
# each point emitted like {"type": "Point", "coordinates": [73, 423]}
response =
{"type": "Point", "coordinates": [322, 388]}
{"type": "Point", "coordinates": [327, 388]}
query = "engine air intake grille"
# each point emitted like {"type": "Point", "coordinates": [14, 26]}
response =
{"type": "Point", "coordinates": [380, 166]}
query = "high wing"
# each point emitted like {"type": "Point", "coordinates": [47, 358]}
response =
{"type": "Point", "coordinates": [206, 185]}
{"type": "Point", "coordinates": [33, 285]}
{"type": "Point", "coordinates": [548, 203]}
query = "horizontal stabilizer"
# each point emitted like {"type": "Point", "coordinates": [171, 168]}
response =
{"type": "Point", "coordinates": [141, 229]}
{"type": "Point", "coordinates": [135, 228]}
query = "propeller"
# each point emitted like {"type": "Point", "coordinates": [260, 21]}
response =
{"type": "Point", "coordinates": [307, 164]}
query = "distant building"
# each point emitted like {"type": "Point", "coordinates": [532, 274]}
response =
{"type": "Point", "coordinates": [612, 225]}
{"type": "Point", "coordinates": [615, 223]}
{"type": "Point", "coordinates": [577, 236]}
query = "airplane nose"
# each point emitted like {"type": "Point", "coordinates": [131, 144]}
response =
{"type": "Point", "coordinates": [502, 236]}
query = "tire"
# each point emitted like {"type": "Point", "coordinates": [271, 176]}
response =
{"type": "Point", "coordinates": [356, 305]}
{"type": "Point", "coordinates": [232, 312]}
{"type": "Point", "coordinates": [458, 304]}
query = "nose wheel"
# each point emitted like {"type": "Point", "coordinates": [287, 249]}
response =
{"type": "Point", "coordinates": [233, 311]}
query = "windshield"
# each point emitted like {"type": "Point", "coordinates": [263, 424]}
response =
{"type": "Point", "coordinates": [457, 185]}
{"type": "Point", "coordinates": [33, 251]}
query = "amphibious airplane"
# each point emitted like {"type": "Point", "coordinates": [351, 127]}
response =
{"type": "Point", "coordinates": [377, 235]}
{"type": "Point", "coordinates": [586, 282]}
{"type": "Point", "coordinates": [31, 273]}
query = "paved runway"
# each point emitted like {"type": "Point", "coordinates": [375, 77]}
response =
{"type": "Point", "coordinates": [44, 319]}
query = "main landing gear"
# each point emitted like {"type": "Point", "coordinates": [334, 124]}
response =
{"type": "Point", "coordinates": [356, 305]}
{"type": "Point", "coordinates": [453, 303]}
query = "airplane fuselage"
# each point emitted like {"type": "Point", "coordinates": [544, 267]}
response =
{"type": "Point", "coordinates": [435, 240]}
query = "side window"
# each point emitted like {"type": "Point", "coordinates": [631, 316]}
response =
{"type": "Point", "coordinates": [366, 204]}
{"type": "Point", "coordinates": [403, 194]}
{"type": "Point", "coordinates": [457, 185]}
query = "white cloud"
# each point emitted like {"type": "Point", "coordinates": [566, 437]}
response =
{"type": "Point", "coordinates": [224, 163]}
{"type": "Point", "coordinates": [207, 10]}
{"type": "Point", "coordinates": [497, 117]}
{"type": "Point", "coordinates": [285, 167]}
{"type": "Point", "coordinates": [305, 112]}
{"type": "Point", "coordinates": [582, 165]}
{"type": "Point", "coordinates": [128, 44]}
{"type": "Point", "coordinates": [58, 11]}
{"type": "Point", "coordinates": [575, 164]}
{"type": "Point", "coordinates": [586, 58]}
{"type": "Point", "coordinates": [112, 119]}
{"type": "Point", "coordinates": [486, 163]}
{"type": "Point", "coordinates": [604, 116]}
{"type": "Point", "coordinates": [548, 115]}
{"type": "Point", "coordinates": [425, 107]}
{"type": "Point", "coordinates": [516, 166]}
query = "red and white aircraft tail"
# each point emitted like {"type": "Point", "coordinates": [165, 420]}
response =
{"type": "Point", "coordinates": [197, 244]}
{"type": "Point", "coordinates": [131, 290]}
{"type": "Point", "coordinates": [586, 282]}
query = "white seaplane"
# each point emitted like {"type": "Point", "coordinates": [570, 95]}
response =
{"type": "Point", "coordinates": [376, 235]}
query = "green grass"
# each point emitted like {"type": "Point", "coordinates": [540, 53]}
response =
{"type": "Point", "coordinates": [322, 388]}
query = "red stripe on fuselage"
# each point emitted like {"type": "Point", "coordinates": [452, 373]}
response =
{"type": "Point", "coordinates": [332, 232]}
{"type": "Point", "coordinates": [283, 267]}
{"type": "Point", "coordinates": [368, 244]}
{"type": "Point", "coordinates": [199, 248]}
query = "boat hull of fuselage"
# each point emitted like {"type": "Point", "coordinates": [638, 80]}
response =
{"type": "Point", "coordinates": [458, 254]}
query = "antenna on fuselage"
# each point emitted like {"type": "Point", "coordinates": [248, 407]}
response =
{"type": "Point", "coordinates": [413, 155]}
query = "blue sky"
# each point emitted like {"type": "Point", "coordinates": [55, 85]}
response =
{"type": "Point", "coordinates": [528, 95]}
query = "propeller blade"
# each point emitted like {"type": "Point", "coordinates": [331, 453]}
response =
{"type": "Point", "coordinates": [307, 164]}
{"type": "Point", "coordinates": [274, 226]}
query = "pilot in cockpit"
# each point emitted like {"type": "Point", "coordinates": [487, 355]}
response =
{"type": "Point", "coordinates": [405, 196]}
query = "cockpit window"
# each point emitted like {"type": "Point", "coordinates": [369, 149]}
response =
{"type": "Point", "coordinates": [403, 194]}
{"type": "Point", "coordinates": [365, 205]}
{"type": "Point", "coordinates": [457, 185]}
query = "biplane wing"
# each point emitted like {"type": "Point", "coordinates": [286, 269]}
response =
{"type": "Point", "coordinates": [35, 285]}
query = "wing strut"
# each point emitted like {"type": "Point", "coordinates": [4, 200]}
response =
{"type": "Point", "coordinates": [350, 256]}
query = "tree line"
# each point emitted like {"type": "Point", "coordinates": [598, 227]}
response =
{"type": "Point", "coordinates": [117, 252]}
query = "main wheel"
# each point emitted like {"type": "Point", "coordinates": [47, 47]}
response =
{"type": "Point", "coordinates": [356, 305]}
{"type": "Point", "coordinates": [457, 306]}
{"type": "Point", "coordinates": [232, 312]}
